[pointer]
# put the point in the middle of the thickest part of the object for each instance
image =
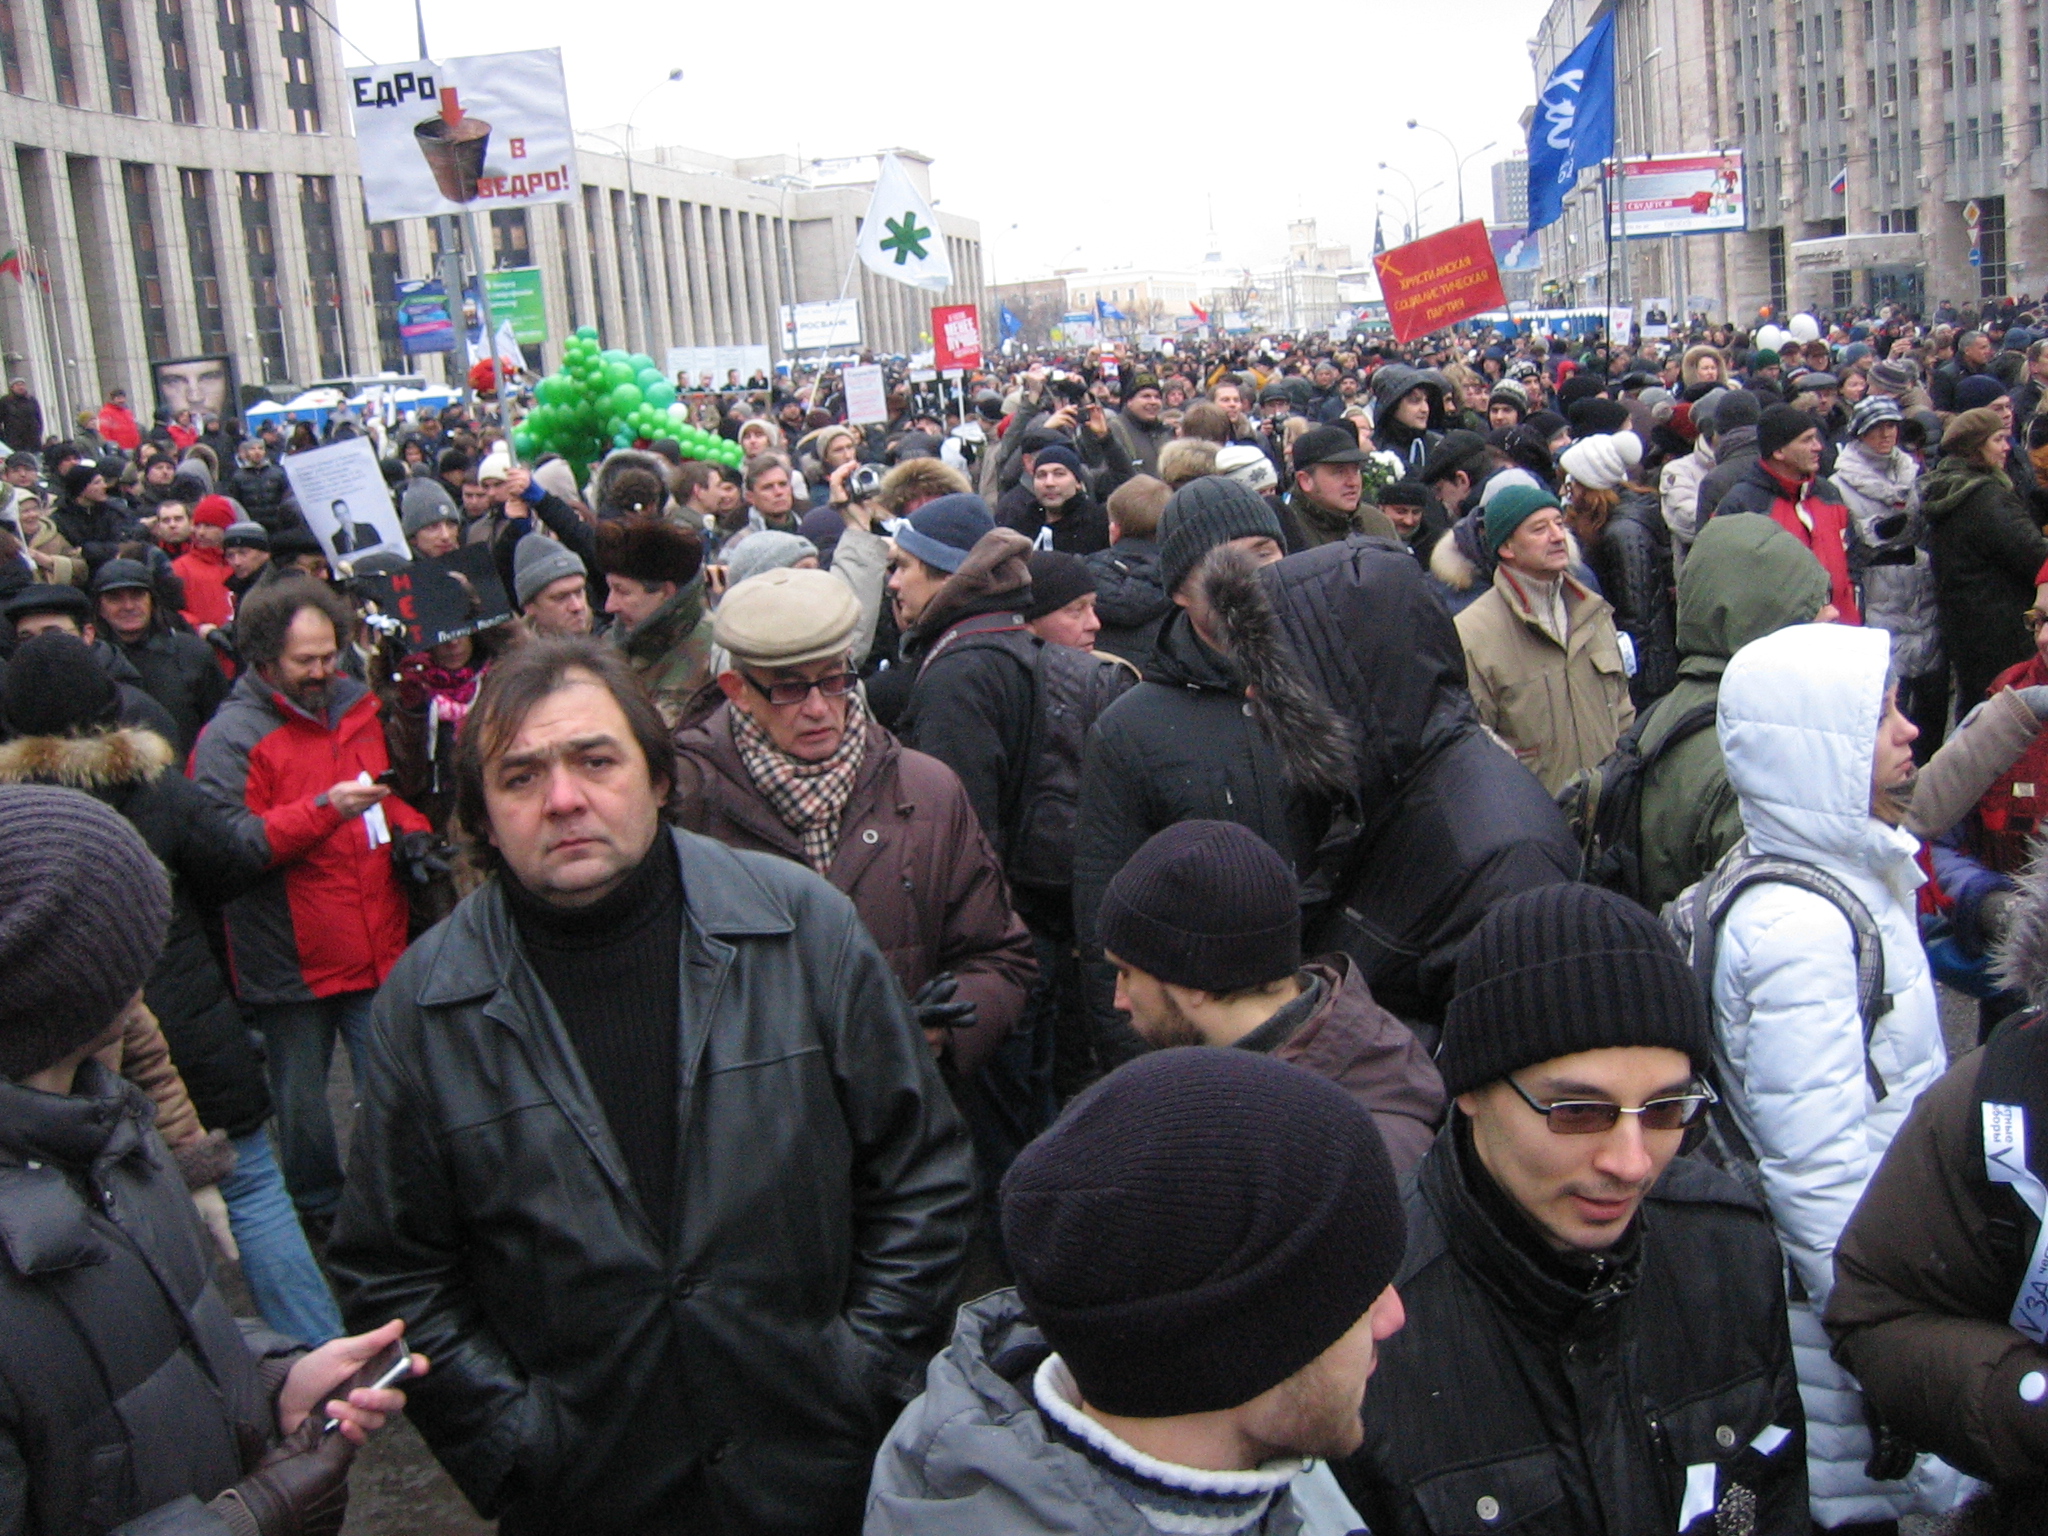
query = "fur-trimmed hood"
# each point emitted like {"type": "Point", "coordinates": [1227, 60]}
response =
{"type": "Point", "coordinates": [102, 760]}
{"type": "Point", "coordinates": [622, 459]}
{"type": "Point", "coordinates": [2022, 956]}
{"type": "Point", "coordinates": [999, 566]}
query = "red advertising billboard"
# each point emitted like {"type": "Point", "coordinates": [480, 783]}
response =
{"type": "Point", "coordinates": [956, 337]}
{"type": "Point", "coordinates": [1439, 280]}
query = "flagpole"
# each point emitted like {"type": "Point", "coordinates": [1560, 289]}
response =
{"type": "Point", "coordinates": [46, 310]}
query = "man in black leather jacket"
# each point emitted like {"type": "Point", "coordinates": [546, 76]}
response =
{"type": "Point", "coordinates": [1597, 1341]}
{"type": "Point", "coordinates": [650, 1149]}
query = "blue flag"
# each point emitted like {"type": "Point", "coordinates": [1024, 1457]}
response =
{"type": "Point", "coordinates": [1011, 325]}
{"type": "Point", "coordinates": [1574, 123]}
{"type": "Point", "coordinates": [1104, 310]}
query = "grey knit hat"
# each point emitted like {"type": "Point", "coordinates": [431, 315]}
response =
{"type": "Point", "coordinates": [540, 560]}
{"type": "Point", "coordinates": [425, 502]}
{"type": "Point", "coordinates": [1204, 513]}
{"type": "Point", "coordinates": [765, 549]}
{"type": "Point", "coordinates": [84, 907]}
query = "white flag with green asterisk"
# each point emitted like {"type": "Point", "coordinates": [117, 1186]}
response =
{"type": "Point", "coordinates": [900, 239]}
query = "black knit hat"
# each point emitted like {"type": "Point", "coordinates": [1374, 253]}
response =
{"type": "Point", "coordinates": [1204, 513]}
{"type": "Point", "coordinates": [1563, 969]}
{"type": "Point", "coordinates": [1205, 904]}
{"type": "Point", "coordinates": [1057, 579]}
{"type": "Point", "coordinates": [1200, 1225]}
{"type": "Point", "coordinates": [84, 907]}
{"type": "Point", "coordinates": [1782, 424]}
{"type": "Point", "coordinates": [1595, 416]}
{"type": "Point", "coordinates": [54, 685]}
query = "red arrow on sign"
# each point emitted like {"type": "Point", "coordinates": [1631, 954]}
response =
{"type": "Point", "coordinates": [451, 109]}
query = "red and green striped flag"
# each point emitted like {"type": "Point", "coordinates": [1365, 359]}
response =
{"type": "Point", "coordinates": [11, 263]}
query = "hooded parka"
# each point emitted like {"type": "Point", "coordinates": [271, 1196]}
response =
{"type": "Point", "coordinates": [1798, 719]}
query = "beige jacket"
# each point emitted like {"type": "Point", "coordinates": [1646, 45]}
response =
{"type": "Point", "coordinates": [1560, 707]}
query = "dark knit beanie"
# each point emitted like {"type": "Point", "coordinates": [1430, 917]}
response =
{"type": "Point", "coordinates": [1978, 389]}
{"type": "Point", "coordinates": [1597, 416]}
{"type": "Point", "coordinates": [1782, 424]}
{"type": "Point", "coordinates": [943, 531]}
{"type": "Point", "coordinates": [1200, 1225]}
{"type": "Point", "coordinates": [1204, 513]}
{"type": "Point", "coordinates": [78, 477]}
{"type": "Point", "coordinates": [1581, 386]}
{"type": "Point", "coordinates": [1205, 904]}
{"type": "Point", "coordinates": [1741, 408]}
{"type": "Point", "coordinates": [1057, 579]}
{"type": "Point", "coordinates": [54, 685]}
{"type": "Point", "coordinates": [1563, 969]}
{"type": "Point", "coordinates": [84, 907]}
{"type": "Point", "coordinates": [1058, 453]}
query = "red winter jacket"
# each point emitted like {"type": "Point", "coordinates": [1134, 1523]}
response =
{"type": "Point", "coordinates": [330, 916]}
{"type": "Point", "coordinates": [118, 426]}
{"type": "Point", "coordinates": [1812, 513]}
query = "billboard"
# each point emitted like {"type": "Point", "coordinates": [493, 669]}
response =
{"type": "Point", "coordinates": [1439, 280]}
{"type": "Point", "coordinates": [821, 323]}
{"type": "Point", "coordinates": [1680, 195]}
{"type": "Point", "coordinates": [517, 300]}
{"type": "Point", "coordinates": [490, 132]}
{"type": "Point", "coordinates": [202, 384]}
{"type": "Point", "coordinates": [956, 332]}
{"type": "Point", "coordinates": [1515, 250]}
{"type": "Point", "coordinates": [424, 324]}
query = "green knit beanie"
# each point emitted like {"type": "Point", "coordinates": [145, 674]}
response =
{"type": "Point", "coordinates": [1510, 509]}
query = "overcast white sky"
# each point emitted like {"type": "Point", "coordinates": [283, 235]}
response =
{"type": "Point", "coordinates": [1108, 127]}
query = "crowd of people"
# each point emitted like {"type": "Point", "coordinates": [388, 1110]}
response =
{"type": "Point", "coordinates": [1285, 935]}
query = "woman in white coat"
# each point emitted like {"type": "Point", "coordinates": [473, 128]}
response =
{"type": "Point", "coordinates": [1817, 751]}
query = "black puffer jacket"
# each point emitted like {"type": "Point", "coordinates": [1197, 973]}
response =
{"type": "Point", "coordinates": [213, 854]}
{"type": "Point", "coordinates": [128, 1395]}
{"type": "Point", "coordinates": [1986, 553]}
{"type": "Point", "coordinates": [1531, 1395]}
{"type": "Point", "coordinates": [1734, 452]}
{"type": "Point", "coordinates": [261, 489]}
{"type": "Point", "coordinates": [178, 671]}
{"type": "Point", "coordinates": [1632, 560]}
{"type": "Point", "coordinates": [97, 529]}
{"type": "Point", "coordinates": [1431, 822]}
{"type": "Point", "coordinates": [587, 1376]}
{"type": "Point", "coordinates": [1180, 746]}
{"type": "Point", "coordinates": [1129, 599]}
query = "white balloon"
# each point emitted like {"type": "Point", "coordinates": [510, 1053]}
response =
{"type": "Point", "coordinates": [1770, 336]}
{"type": "Point", "coordinates": [1805, 328]}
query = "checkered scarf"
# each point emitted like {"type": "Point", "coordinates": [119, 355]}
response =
{"type": "Point", "coordinates": [809, 798]}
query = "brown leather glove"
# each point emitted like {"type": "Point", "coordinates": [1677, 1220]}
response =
{"type": "Point", "coordinates": [300, 1488]}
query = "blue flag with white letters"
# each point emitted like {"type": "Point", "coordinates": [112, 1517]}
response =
{"type": "Point", "coordinates": [1574, 123]}
{"type": "Point", "coordinates": [1012, 326]}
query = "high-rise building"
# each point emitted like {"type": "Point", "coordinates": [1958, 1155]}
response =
{"type": "Point", "coordinates": [1893, 150]}
{"type": "Point", "coordinates": [183, 183]}
{"type": "Point", "coordinates": [1511, 193]}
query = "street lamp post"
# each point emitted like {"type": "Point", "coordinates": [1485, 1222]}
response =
{"type": "Point", "coordinates": [1414, 199]}
{"type": "Point", "coordinates": [640, 281]}
{"type": "Point", "coordinates": [1461, 161]}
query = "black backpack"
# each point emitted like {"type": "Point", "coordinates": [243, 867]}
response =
{"type": "Point", "coordinates": [1069, 688]}
{"type": "Point", "coordinates": [1603, 806]}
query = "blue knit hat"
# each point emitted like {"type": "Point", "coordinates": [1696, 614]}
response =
{"type": "Point", "coordinates": [1058, 453]}
{"type": "Point", "coordinates": [941, 532]}
{"type": "Point", "coordinates": [1510, 509]}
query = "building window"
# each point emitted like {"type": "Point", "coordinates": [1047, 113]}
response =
{"type": "Point", "coordinates": [156, 328]}
{"type": "Point", "coordinates": [1991, 243]}
{"type": "Point", "coordinates": [2034, 125]}
{"type": "Point", "coordinates": [1891, 82]}
{"type": "Point", "coordinates": [323, 269]}
{"type": "Point", "coordinates": [63, 68]}
{"type": "Point", "coordinates": [1870, 87]}
{"type": "Point", "coordinates": [1869, 19]}
{"type": "Point", "coordinates": [295, 42]}
{"type": "Point", "coordinates": [1948, 141]}
{"type": "Point", "coordinates": [238, 73]}
{"type": "Point", "coordinates": [1843, 286]}
{"type": "Point", "coordinates": [1996, 57]}
{"type": "Point", "coordinates": [1973, 138]}
{"type": "Point", "coordinates": [1912, 14]}
{"type": "Point", "coordinates": [170, 31]}
{"type": "Point", "coordinates": [120, 64]}
{"type": "Point", "coordinates": [568, 288]}
{"type": "Point", "coordinates": [195, 191]}
{"type": "Point", "coordinates": [1774, 247]}
{"type": "Point", "coordinates": [10, 50]}
{"type": "Point", "coordinates": [259, 247]}
{"type": "Point", "coordinates": [1916, 151]}
{"type": "Point", "coordinates": [511, 244]}
{"type": "Point", "coordinates": [384, 275]}
{"type": "Point", "coordinates": [1913, 79]}
{"type": "Point", "coordinates": [1969, 63]}
{"type": "Point", "coordinates": [1801, 99]}
{"type": "Point", "coordinates": [592, 240]}
{"type": "Point", "coordinates": [1900, 221]}
{"type": "Point", "coordinates": [1799, 38]}
{"type": "Point", "coordinates": [1948, 69]}
{"type": "Point", "coordinates": [1740, 126]}
{"type": "Point", "coordinates": [1998, 135]}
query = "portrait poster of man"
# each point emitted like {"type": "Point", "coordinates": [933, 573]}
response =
{"type": "Point", "coordinates": [203, 385]}
{"type": "Point", "coordinates": [345, 502]}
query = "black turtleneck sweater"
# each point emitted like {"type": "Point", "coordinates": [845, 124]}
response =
{"type": "Point", "coordinates": [612, 971]}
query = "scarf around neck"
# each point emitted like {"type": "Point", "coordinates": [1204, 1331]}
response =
{"type": "Point", "coordinates": [808, 798]}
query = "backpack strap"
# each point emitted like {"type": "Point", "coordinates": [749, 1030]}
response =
{"type": "Point", "coordinates": [1007, 622]}
{"type": "Point", "coordinates": [1743, 868]}
{"type": "Point", "coordinates": [1695, 719]}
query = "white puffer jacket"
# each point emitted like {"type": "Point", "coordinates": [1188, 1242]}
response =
{"type": "Point", "coordinates": [1798, 719]}
{"type": "Point", "coordinates": [1678, 494]}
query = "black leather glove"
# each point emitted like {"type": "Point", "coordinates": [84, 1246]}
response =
{"type": "Point", "coordinates": [299, 1489]}
{"type": "Point", "coordinates": [419, 856]}
{"type": "Point", "coordinates": [935, 1008]}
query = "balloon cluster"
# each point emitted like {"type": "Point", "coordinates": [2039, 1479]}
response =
{"type": "Point", "coordinates": [606, 399]}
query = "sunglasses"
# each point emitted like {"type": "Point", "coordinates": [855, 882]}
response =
{"type": "Point", "coordinates": [837, 686]}
{"type": "Point", "coordinates": [1575, 1117]}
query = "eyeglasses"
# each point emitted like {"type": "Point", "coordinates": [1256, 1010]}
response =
{"type": "Point", "coordinates": [837, 686]}
{"type": "Point", "coordinates": [1578, 1117]}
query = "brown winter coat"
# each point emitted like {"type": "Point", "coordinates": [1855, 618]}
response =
{"type": "Point", "coordinates": [1560, 707]}
{"type": "Point", "coordinates": [1921, 1295]}
{"type": "Point", "coordinates": [143, 1057]}
{"type": "Point", "coordinates": [1370, 1054]}
{"type": "Point", "coordinates": [911, 857]}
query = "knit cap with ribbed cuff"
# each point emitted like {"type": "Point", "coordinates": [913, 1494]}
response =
{"type": "Point", "coordinates": [1205, 904]}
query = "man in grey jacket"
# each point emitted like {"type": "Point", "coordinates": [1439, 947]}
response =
{"type": "Point", "coordinates": [1203, 1244]}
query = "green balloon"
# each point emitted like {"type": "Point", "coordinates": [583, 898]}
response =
{"type": "Point", "coordinates": [586, 333]}
{"type": "Point", "coordinates": [640, 360]}
{"type": "Point", "coordinates": [660, 394]}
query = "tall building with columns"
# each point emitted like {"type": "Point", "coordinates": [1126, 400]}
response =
{"type": "Point", "coordinates": [181, 181]}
